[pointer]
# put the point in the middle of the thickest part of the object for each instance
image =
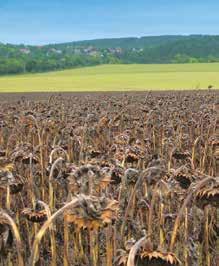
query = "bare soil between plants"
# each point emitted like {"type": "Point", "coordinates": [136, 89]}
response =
{"type": "Point", "coordinates": [41, 96]}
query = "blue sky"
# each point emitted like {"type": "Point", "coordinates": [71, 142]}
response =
{"type": "Point", "coordinates": [52, 21]}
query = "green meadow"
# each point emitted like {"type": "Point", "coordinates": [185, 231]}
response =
{"type": "Point", "coordinates": [117, 78]}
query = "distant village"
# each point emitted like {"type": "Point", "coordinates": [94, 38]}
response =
{"type": "Point", "coordinates": [89, 51]}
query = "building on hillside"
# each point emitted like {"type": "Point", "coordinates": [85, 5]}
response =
{"type": "Point", "coordinates": [25, 51]}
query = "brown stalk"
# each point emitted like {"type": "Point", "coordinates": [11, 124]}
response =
{"type": "Point", "coordinates": [46, 225]}
{"type": "Point", "coordinates": [134, 250]}
{"type": "Point", "coordinates": [41, 153]}
{"type": "Point", "coordinates": [130, 203]}
{"type": "Point", "coordinates": [181, 211]}
{"type": "Point", "coordinates": [186, 238]}
{"type": "Point", "coordinates": [16, 235]}
{"type": "Point", "coordinates": [52, 235]}
{"type": "Point", "coordinates": [51, 193]}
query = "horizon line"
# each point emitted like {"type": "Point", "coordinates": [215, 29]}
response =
{"type": "Point", "coordinates": [111, 38]}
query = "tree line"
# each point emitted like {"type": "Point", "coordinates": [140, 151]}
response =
{"type": "Point", "coordinates": [16, 59]}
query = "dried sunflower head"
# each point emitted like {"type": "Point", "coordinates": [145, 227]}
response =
{"type": "Point", "coordinates": [116, 174]}
{"type": "Point", "coordinates": [184, 176]}
{"type": "Point", "coordinates": [17, 185]}
{"type": "Point", "coordinates": [36, 214]}
{"type": "Point", "coordinates": [147, 254]}
{"type": "Point", "coordinates": [158, 258]}
{"type": "Point", "coordinates": [24, 153]}
{"type": "Point", "coordinates": [93, 153]}
{"type": "Point", "coordinates": [30, 158]}
{"type": "Point", "coordinates": [2, 153]}
{"type": "Point", "coordinates": [6, 176]}
{"type": "Point", "coordinates": [215, 146]}
{"type": "Point", "coordinates": [154, 173]}
{"type": "Point", "coordinates": [133, 154]}
{"type": "Point", "coordinates": [208, 194]}
{"type": "Point", "coordinates": [92, 212]}
{"type": "Point", "coordinates": [122, 139]}
{"type": "Point", "coordinates": [131, 176]}
{"type": "Point", "coordinates": [180, 155]}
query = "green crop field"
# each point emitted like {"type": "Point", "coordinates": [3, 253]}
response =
{"type": "Point", "coordinates": [117, 78]}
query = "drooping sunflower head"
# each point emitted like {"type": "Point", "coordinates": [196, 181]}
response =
{"type": "Point", "coordinates": [92, 212]}
{"type": "Point", "coordinates": [208, 194]}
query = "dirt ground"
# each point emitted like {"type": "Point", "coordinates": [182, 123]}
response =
{"type": "Point", "coordinates": [39, 96]}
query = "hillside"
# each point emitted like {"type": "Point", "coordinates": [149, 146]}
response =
{"type": "Point", "coordinates": [126, 43]}
{"type": "Point", "coordinates": [145, 50]}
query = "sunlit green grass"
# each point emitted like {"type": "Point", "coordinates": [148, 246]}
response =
{"type": "Point", "coordinates": [117, 78]}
